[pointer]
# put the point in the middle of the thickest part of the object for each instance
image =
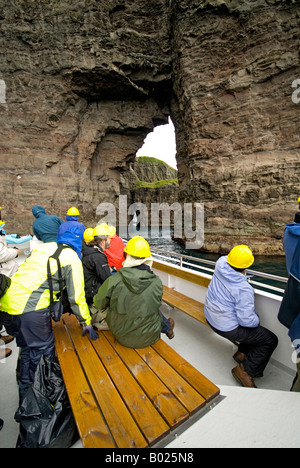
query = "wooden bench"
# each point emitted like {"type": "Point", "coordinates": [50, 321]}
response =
{"type": "Point", "coordinates": [123, 397]}
{"type": "Point", "coordinates": [184, 303]}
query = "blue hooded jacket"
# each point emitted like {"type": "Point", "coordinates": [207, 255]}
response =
{"type": "Point", "coordinates": [45, 227]}
{"type": "Point", "coordinates": [290, 240]}
{"type": "Point", "coordinates": [230, 299]}
{"type": "Point", "coordinates": [295, 266]}
{"type": "Point", "coordinates": [70, 221]}
{"type": "Point", "coordinates": [73, 237]}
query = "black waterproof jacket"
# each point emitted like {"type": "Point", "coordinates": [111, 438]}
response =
{"type": "Point", "coordinates": [96, 269]}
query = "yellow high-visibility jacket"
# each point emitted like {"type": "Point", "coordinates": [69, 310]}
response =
{"type": "Point", "coordinates": [29, 289]}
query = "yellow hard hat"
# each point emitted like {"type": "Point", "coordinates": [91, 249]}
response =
{"type": "Point", "coordinates": [138, 247]}
{"type": "Point", "coordinates": [112, 230]}
{"type": "Point", "coordinates": [240, 257]}
{"type": "Point", "coordinates": [297, 201]}
{"type": "Point", "coordinates": [88, 235]}
{"type": "Point", "coordinates": [73, 211]}
{"type": "Point", "coordinates": [102, 230]}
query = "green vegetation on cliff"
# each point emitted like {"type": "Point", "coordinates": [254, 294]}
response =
{"type": "Point", "coordinates": [152, 173]}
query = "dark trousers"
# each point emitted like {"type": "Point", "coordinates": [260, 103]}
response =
{"type": "Point", "coordinates": [34, 335]}
{"type": "Point", "coordinates": [290, 305]}
{"type": "Point", "coordinates": [257, 343]}
{"type": "Point", "coordinates": [166, 323]}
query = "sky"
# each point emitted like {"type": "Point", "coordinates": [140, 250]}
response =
{"type": "Point", "coordinates": [161, 144]}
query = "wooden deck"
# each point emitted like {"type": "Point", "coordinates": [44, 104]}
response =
{"type": "Point", "coordinates": [123, 397]}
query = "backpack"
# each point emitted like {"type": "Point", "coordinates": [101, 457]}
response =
{"type": "Point", "coordinates": [4, 284]}
{"type": "Point", "coordinates": [56, 307]}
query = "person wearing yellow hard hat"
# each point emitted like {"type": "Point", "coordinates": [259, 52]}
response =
{"type": "Point", "coordinates": [133, 296]}
{"type": "Point", "coordinates": [72, 221]}
{"type": "Point", "coordinates": [230, 310]}
{"type": "Point", "coordinates": [95, 265]}
{"type": "Point", "coordinates": [298, 201]}
{"type": "Point", "coordinates": [88, 235]}
{"type": "Point", "coordinates": [26, 305]}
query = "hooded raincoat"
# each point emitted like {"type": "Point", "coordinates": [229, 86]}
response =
{"type": "Point", "coordinates": [45, 227]}
{"type": "Point", "coordinates": [290, 305]}
{"type": "Point", "coordinates": [133, 296]}
{"type": "Point", "coordinates": [290, 241]}
{"type": "Point", "coordinates": [115, 253]}
{"type": "Point", "coordinates": [29, 289]}
{"type": "Point", "coordinates": [25, 305]}
{"type": "Point", "coordinates": [230, 299]}
{"type": "Point", "coordinates": [71, 221]}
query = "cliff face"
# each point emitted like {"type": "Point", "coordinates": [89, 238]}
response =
{"type": "Point", "coordinates": [84, 82]}
{"type": "Point", "coordinates": [238, 139]}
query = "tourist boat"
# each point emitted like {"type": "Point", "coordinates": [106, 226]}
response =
{"type": "Point", "coordinates": [265, 417]}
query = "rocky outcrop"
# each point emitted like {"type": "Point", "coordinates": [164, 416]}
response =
{"type": "Point", "coordinates": [152, 170]}
{"type": "Point", "coordinates": [82, 84]}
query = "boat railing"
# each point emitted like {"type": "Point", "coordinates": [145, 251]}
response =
{"type": "Point", "coordinates": [268, 281]}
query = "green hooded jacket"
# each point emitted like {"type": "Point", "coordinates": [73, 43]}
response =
{"type": "Point", "coordinates": [133, 296]}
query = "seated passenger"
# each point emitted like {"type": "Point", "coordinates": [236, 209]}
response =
{"type": "Point", "coordinates": [290, 240]}
{"type": "Point", "coordinates": [133, 296]}
{"type": "Point", "coordinates": [72, 220]}
{"type": "Point", "coordinates": [8, 267]}
{"type": "Point", "coordinates": [230, 311]}
{"type": "Point", "coordinates": [8, 264]}
{"type": "Point", "coordinates": [45, 227]}
{"type": "Point", "coordinates": [25, 307]}
{"type": "Point", "coordinates": [115, 253]}
{"type": "Point", "coordinates": [95, 265]}
{"type": "Point", "coordinates": [289, 312]}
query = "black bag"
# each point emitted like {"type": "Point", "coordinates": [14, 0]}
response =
{"type": "Point", "coordinates": [45, 415]}
{"type": "Point", "coordinates": [4, 284]}
{"type": "Point", "coordinates": [56, 307]}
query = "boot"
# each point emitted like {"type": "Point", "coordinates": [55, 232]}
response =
{"type": "Point", "coordinates": [239, 357]}
{"type": "Point", "coordinates": [243, 377]}
{"type": "Point", "coordinates": [6, 339]}
{"type": "Point", "coordinates": [5, 352]}
{"type": "Point", "coordinates": [170, 333]}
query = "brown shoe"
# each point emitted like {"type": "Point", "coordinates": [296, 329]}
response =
{"type": "Point", "coordinates": [6, 339]}
{"type": "Point", "coordinates": [5, 352]}
{"type": "Point", "coordinates": [243, 377]}
{"type": "Point", "coordinates": [239, 357]}
{"type": "Point", "coordinates": [170, 333]}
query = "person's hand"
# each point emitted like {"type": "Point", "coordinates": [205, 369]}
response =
{"type": "Point", "coordinates": [92, 333]}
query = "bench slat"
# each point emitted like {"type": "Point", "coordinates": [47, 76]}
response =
{"type": "Point", "coordinates": [123, 397]}
{"type": "Point", "coordinates": [170, 408]}
{"type": "Point", "coordinates": [117, 416]}
{"type": "Point", "coordinates": [148, 418]}
{"type": "Point", "coordinates": [91, 427]}
{"type": "Point", "coordinates": [200, 383]}
{"type": "Point", "coordinates": [186, 394]}
{"type": "Point", "coordinates": [190, 306]}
